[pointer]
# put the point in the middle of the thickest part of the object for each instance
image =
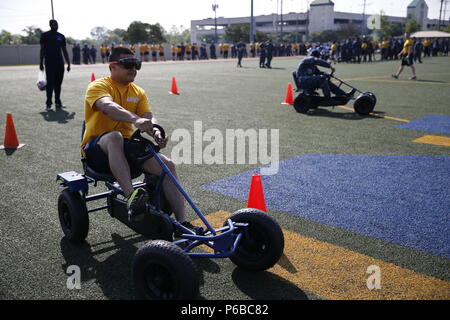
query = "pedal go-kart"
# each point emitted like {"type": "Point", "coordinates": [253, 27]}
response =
{"type": "Point", "coordinates": [163, 267]}
{"type": "Point", "coordinates": [310, 99]}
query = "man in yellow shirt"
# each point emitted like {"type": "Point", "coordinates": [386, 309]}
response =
{"type": "Point", "coordinates": [112, 106]}
{"type": "Point", "coordinates": [407, 55]}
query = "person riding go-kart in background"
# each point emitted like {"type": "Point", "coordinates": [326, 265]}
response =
{"type": "Point", "coordinates": [310, 78]}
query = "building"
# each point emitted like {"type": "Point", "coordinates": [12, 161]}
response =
{"type": "Point", "coordinates": [320, 17]}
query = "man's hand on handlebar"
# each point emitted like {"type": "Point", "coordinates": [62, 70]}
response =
{"type": "Point", "coordinates": [145, 125]}
{"type": "Point", "coordinates": [162, 142]}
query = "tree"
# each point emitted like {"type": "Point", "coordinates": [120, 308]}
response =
{"type": "Point", "coordinates": [144, 32]}
{"type": "Point", "coordinates": [114, 36]}
{"type": "Point", "coordinates": [412, 25]}
{"type": "Point", "coordinates": [324, 36]}
{"type": "Point", "coordinates": [237, 32]}
{"type": "Point", "coordinates": [33, 35]}
{"type": "Point", "coordinates": [348, 30]}
{"type": "Point", "coordinates": [156, 33]}
{"type": "Point", "coordinates": [390, 29]}
{"type": "Point", "coordinates": [6, 37]}
{"type": "Point", "coordinates": [99, 33]}
{"type": "Point", "coordinates": [177, 35]}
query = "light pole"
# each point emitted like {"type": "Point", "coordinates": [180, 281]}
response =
{"type": "Point", "coordinates": [252, 30]}
{"type": "Point", "coordinates": [214, 7]}
{"type": "Point", "coordinates": [53, 15]}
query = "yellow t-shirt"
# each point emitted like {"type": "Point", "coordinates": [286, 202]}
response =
{"type": "Point", "coordinates": [130, 97]}
{"type": "Point", "coordinates": [407, 46]}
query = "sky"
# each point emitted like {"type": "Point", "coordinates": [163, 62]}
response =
{"type": "Point", "coordinates": [76, 18]}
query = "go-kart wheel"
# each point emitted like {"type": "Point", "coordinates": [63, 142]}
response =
{"type": "Point", "coordinates": [370, 94]}
{"type": "Point", "coordinates": [73, 216]}
{"type": "Point", "coordinates": [262, 245]}
{"type": "Point", "coordinates": [365, 103]}
{"type": "Point", "coordinates": [162, 271]}
{"type": "Point", "coordinates": [303, 103]}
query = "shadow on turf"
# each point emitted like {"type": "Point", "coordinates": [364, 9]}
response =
{"type": "Point", "coordinates": [60, 116]}
{"type": "Point", "coordinates": [331, 113]}
{"type": "Point", "coordinates": [113, 274]}
{"type": "Point", "coordinates": [266, 286]}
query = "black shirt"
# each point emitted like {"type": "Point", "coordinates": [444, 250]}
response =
{"type": "Point", "coordinates": [53, 42]}
{"type": "Point", "coordinates": [307, 67]}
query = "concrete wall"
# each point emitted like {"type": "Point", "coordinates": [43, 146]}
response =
{"type": "Point", "coordinates": [29, 54]}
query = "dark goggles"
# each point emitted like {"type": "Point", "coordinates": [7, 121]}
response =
{"type": "Point", "coordinates": [129, 63]}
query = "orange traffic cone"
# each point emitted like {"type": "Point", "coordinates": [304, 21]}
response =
{"type": "Point", "coordinates": [174, 89]}
{"type": "Point", "coordinates": [289, 97]}
{"type": "Point", "coordinates": [256, 194]}
{"type": "Point", "coordinates": [92, 77]}
{"type": "Point", "coordinates": [11, 141]}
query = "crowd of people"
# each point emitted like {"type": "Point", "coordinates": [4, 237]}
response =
{"type": "Point", "coordinates": [353, 50]}
{"type": "Point", "coordinates": [363, 49]}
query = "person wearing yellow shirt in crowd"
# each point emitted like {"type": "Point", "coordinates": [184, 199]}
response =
{"type": "Point", "coordinates": [154, 49]}
{"type": "Point", "coordinates": [426, 48]}
{"type": "Point", "coordinates": [221, 49]}
{"type": "Point", "coordinates": [364, 49]}
{"type": "Point", "coordinates": [384, 49]}
{"type": "Point", "coordinates": [225, 48]}
{"type": "Point", "coordinates": [161, 52]}
{"type": "Point", "coordinates": [407, 55]}
{"type": "Point", "coordinates": [333, 52]}
{"type": "Point", "coordinates": [174, 51]}
{"type": "Point", "coordinates": [146, 50]}
{"type": "Point", "coordinates": [131, 47]}
{"type": "Point", "coordinates": [187, 48]}
{"type": "Point", "coordinates": [141, 51]}
{"type": "Point", "coordinates": [113, 105]}
{"type": "Point", "coordinates": [103, 52]}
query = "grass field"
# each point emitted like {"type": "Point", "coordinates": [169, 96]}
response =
{"type": "Point", "coordinates": [326, 254]}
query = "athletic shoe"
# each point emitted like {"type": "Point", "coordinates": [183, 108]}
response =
{"type": "Point", "coordinates": [48, 108]}
{"type": "Point", "coordinates": [413, 78]}
{"type": "Point", "coordinates": [177, 233]}
{"type": "Point", "coordinates": [395, 76]}
{"type": "Point", "coordinates": [136, 203]}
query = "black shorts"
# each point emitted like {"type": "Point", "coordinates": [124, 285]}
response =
{"type": "Point", "coordinates": [407, 60]}
{"type": "Point", "coordinates": [98, 160]}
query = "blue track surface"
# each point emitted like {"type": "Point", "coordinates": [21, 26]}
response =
{"type": "Point", "coordinates": [435, 123]}
{"type": "Point", "coordinates": [399, 199]}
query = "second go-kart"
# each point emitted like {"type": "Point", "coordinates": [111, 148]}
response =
{"type": "Point", "coordinates": [163, 268]}
{"type": "Point", "coordinates": [309, 99]}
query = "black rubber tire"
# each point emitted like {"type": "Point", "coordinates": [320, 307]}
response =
{"type": "Point", "coordinates": [73, 216]}
{"type": "Point", "coordinates": [262, 246]}
{"type": "Point", "coordinates": [365, 104]}
{"type": "Point", "coordinates": [303, 103]}
{"type": "Point", "coordinates": [162, 271]}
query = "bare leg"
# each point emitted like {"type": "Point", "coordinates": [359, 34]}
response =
{"type": "Point", "coordinates": [171, 192]}
{"type": "Point", "coordinates": [112, 145]}
{"type": "Point", "coordinates": [413, 70]}
{"type": "Point", "coordinates": [400, 70]}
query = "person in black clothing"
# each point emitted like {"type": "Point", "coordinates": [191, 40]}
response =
{"type": "Point", "coordinates": [262, 55]}
{"type": "Point", "coordinates": [53, 47]}
{"type": "Point", "coordinates": [309, 77]}
{"type": "Point", "coordinates": [269, 53]}
{"type": "Point", "coordinates": [86, 54]}
{"type": "Point", "coordinates": [241, 49]}
{"type": "Point", "coordinates": [212, 50]}
{"type": "Point", "coordinates": [417, 50]}
{"type": "Point", "coordinates": [93, 54]}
